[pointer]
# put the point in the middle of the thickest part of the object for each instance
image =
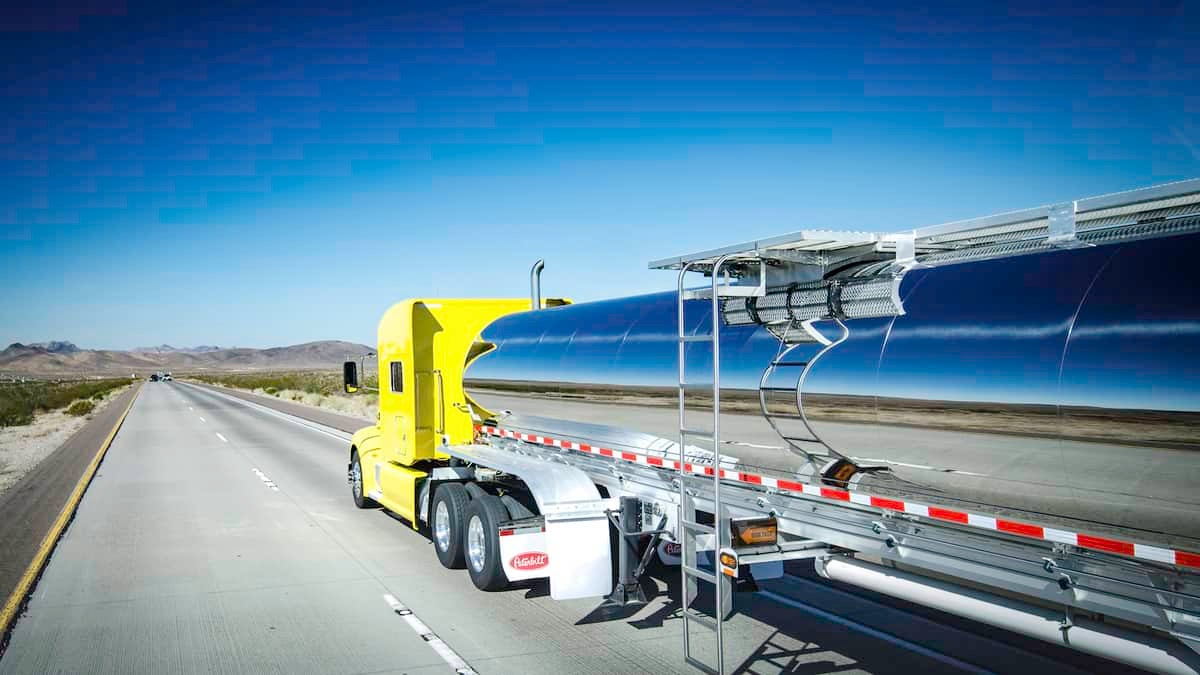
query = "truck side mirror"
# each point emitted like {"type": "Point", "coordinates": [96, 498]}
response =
{"type": "Point", "coordinates": [350, 377]}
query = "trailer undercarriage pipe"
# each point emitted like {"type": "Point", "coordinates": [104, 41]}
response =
{"type": "Point", "coordinates": [1142, 650]}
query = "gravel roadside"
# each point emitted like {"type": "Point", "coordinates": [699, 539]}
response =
{"type": "Point", "coordinates": [23, 448]}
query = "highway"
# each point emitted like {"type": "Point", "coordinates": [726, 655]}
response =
{"type": "Point", "coordinates": [220, 537]}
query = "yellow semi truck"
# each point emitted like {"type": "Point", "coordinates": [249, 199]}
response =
{"type": "Point", "coordinates": [527, 495]}
{"type": "Point", "coordinates": [504, 516]}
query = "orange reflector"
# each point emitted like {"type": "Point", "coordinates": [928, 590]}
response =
{"type": "Point", "coordinates": [729, 564]}
{"type": "Point", "coordinates": [754, 532]}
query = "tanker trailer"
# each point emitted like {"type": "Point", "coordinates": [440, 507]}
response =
{"type": "Point", "coordinates": [1062, 386]}
{"type": "Point", "coordinates": [996, 417]}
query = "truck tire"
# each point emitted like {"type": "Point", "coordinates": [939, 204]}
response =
{"type": "Point", "coordinates": [356, 483]}
{"type": "Point", "coordinates": [516, 509]}
{"type": "Point", "coordinates": [446, 523]}
{"type": "Point", "coordinates": [474, 491]}
{"type": "Point", "coordinates": [482, 543]}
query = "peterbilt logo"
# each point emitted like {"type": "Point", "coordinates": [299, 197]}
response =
{"type": "Point", "coordinates": [529, 561]}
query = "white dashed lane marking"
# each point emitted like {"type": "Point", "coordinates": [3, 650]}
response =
{"type": "Point", "coordinates": [263, 477]}
{"type": "Point", "coordinates": [223, 439]}
{"type": "Point", "coordinates": [448, 655]}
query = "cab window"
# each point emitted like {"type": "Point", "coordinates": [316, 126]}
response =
{"type": "Point", "coordinates": [397, 377]}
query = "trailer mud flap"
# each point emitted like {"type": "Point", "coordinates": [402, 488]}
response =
{"type": "Point", "coordinates": [523, 552]}
{"type": "Point", "coordinates": [577, 546]}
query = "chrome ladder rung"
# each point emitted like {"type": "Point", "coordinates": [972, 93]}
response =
{"type": "Point", "coordinates": [699, 527]}
{"type": "Point", "coordinates": [702, 619]}
{"type": "Point", "coordinates": [789, 364]}
{"type": "Point", "coordinates": [695, 338]}
{"type": "Point", "coordinates": [785, 416]}
{"type": "Point", "coordinates": [698, 433]}
{"type": "Point", "coordinates": [701, 666]}
{"type": "Point", "coordinates": [789, 390]}
{"type": "Point", "coordinates": [699, 573]}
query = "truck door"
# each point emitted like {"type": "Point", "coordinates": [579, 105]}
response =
{"type": "Point", "coordinates": [427, 378]}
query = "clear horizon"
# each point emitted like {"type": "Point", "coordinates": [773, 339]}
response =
{"type": "Point", "coordinates": [196, 175]}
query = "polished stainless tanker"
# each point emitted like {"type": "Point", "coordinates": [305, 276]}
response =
{"type": "Point", "coordinates": [1061, 385]}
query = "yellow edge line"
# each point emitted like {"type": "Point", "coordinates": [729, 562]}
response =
{"type": "Point", "coordinates": [43, 553]}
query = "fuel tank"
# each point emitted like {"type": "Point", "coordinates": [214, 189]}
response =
{"type": "Point", "coordinates": [1061, 386]}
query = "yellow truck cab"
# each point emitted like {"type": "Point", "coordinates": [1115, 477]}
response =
{"type": "Point", "coordinates": [503, 516]}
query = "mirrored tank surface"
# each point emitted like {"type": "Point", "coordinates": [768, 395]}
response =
{"type": "Point", "coordinates": [1062, 387]}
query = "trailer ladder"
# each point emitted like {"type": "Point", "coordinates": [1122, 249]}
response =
{"type": "Point", "coordinates": [793, 427]}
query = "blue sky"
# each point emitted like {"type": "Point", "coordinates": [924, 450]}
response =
{"type": "Point", "coordinates": [282, 174]}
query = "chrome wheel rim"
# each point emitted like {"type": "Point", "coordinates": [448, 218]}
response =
{"type": "Point", "coordinates": [476, 548]}
{"type": "Point", "coordinates": [356, 478]}
{"type": "Point", "coordinates": [441, 526]}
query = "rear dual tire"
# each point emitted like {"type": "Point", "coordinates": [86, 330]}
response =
{"type": "Point", "coordinates": [483, 518]}
{"type": "Point", "coordinates": [447, 523]}
{"type": "Point", "coordinates": [465, 525]}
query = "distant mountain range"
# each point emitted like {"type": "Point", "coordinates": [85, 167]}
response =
{"type": "Point", "coordinates": [168, 349]}
{"type": "Point", "coordinates": [55, 346]}
{"type": "Point", "coordinates": [64, 359]}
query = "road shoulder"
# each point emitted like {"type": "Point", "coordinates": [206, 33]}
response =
{"type": "Point", "coordinates": [32, 506]}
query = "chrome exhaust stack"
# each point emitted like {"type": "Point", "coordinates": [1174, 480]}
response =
{"type": "Point", "coordinates": [535, 284]}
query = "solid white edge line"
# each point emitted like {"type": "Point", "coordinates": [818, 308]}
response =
{"type": "Point", "coordinates": [223, 439]}
{"type": "Point", "coordinates": [438, 645]}
{"type": "Point", "coordinates": [878, 634]}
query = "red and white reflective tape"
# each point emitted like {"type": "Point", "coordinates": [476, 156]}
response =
{"type": "Point", "coordinates": [1095, 543]}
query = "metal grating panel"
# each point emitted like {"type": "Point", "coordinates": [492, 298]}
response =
{"type": "Point", "coordinates": [857, 274]}
{"type": "Point", "coordinates": [774, 248]}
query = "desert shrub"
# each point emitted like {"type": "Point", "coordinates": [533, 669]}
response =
{"type": "Point", "coordinates": [13, 414]}
{"type": "Point", "coordinates": [81, 408]}
{"type": "Point", "coordinates": [20, 401]}
{"type": "Point", "coordinates": [271, 390]}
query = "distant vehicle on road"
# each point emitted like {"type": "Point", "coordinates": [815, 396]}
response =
{"type": "Point", "coordinates": [154, 377]}
{"type": "Point", "coordinates": [167, 377]}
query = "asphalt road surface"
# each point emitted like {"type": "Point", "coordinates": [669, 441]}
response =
{"type": "Point", "coordinates": [220, 537]}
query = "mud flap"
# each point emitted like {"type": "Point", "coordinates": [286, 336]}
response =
{"type": "Point", "coordinates": [577, 546]}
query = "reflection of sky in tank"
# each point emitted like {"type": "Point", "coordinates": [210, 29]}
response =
{"type": "Point", "coordinates": [1155, 361]}
{"type": "Point", "coordinates": [989, 331]}
{"type": "Point", "coordinates": [626, 340]}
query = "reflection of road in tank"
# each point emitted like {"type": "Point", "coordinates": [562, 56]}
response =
{"type": "Point", "coordinates": [1141, 493]}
